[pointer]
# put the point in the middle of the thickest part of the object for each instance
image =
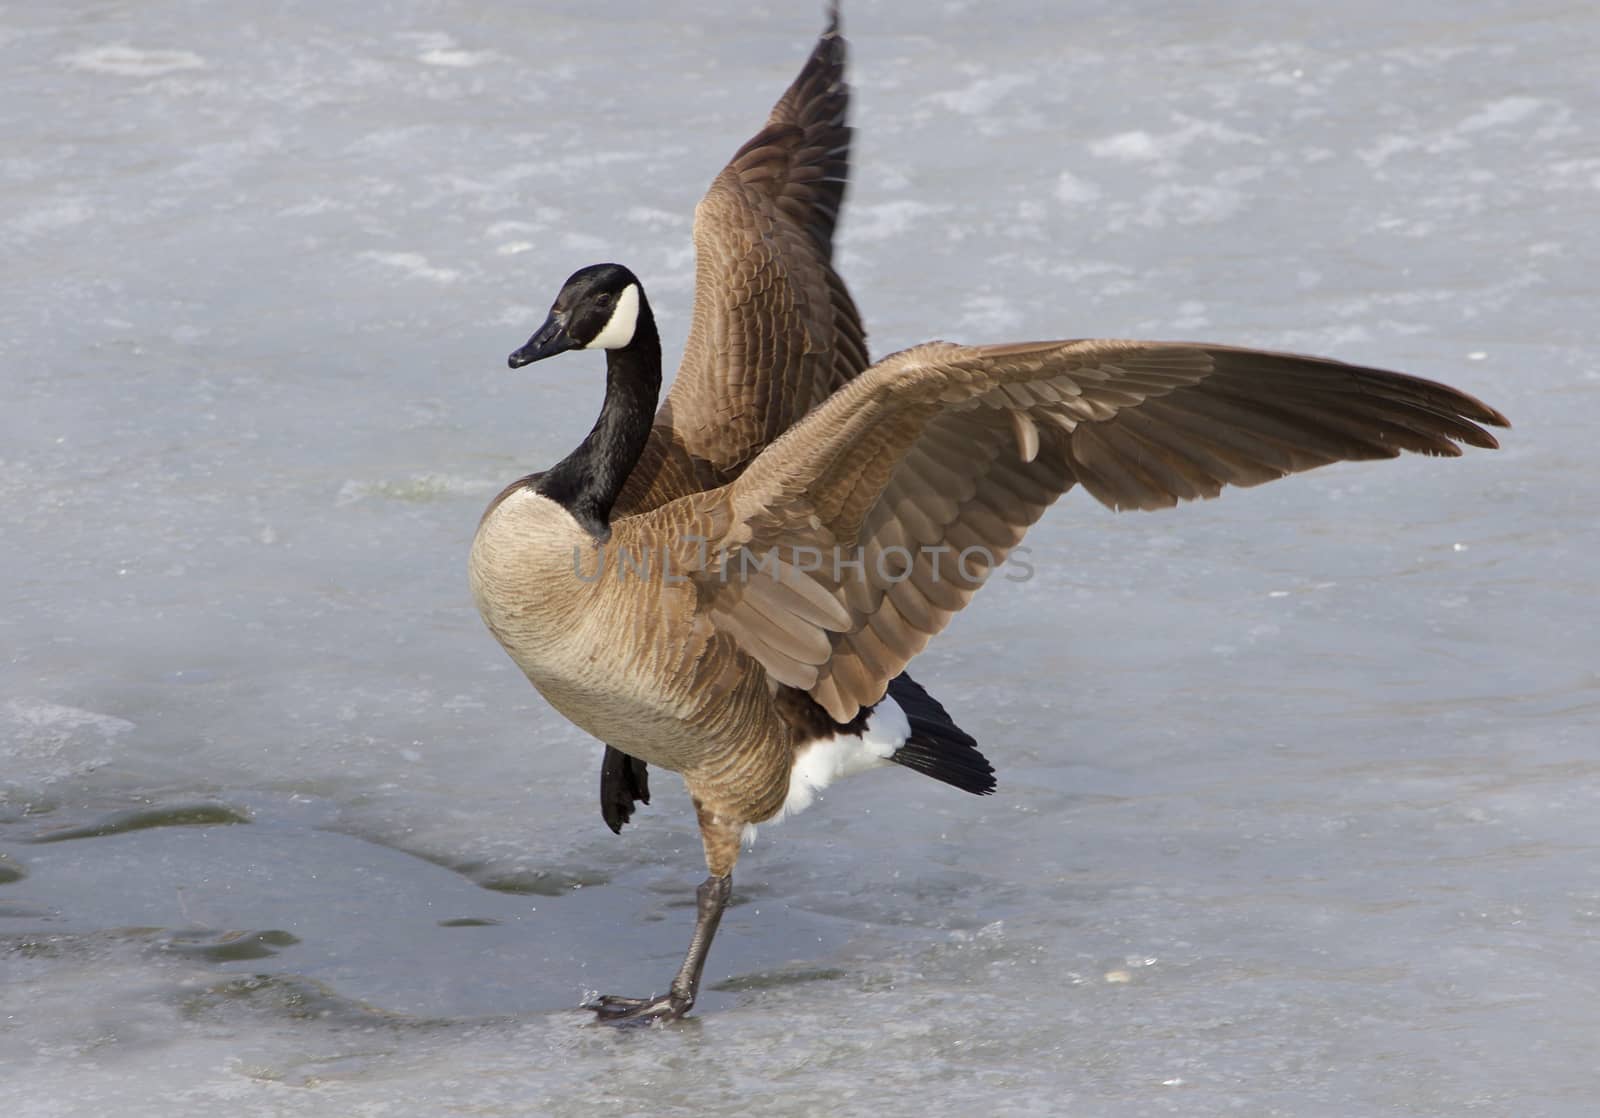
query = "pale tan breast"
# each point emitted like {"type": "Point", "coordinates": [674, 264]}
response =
{"type": "Point", "coordinates": [605, 638]}
{"type": "Point", "coordinates": [524, 554]}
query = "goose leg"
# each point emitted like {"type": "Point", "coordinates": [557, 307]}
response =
{"type": "Point", "coordinates": [721, 840]}
{"type": "Point", "coordinates": [711, 898]}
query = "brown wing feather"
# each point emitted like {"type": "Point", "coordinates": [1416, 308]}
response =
{"type": "Point", "coordinates": [923, 458]}
{"type": "Point", "coordinates": [774, 331]}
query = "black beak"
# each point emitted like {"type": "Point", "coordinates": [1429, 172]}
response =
{"type": "Point", "coordinates": [549, 340]}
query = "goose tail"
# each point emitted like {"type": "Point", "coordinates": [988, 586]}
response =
{"type": "Point", "coordinates": [938, 747]}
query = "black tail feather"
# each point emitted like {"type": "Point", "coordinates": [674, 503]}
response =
{"type": "Point", "coordinates": [937, 746]}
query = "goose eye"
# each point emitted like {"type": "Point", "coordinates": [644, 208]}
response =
{"type": "Point", "coordinates": [604, 298]}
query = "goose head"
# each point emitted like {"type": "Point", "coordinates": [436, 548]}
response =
{"type": "Point", "coordinates": [598, 308]}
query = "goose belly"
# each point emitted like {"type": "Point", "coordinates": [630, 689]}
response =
{"type": "Point", "coordinates": [639, 725]}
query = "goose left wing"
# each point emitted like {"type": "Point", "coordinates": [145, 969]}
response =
{"type": "Point", "coordinates": [944, 451]}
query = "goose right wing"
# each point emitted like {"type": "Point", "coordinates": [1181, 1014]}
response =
{"type": "Point", "coordinates": [944, 451]}
{"type": "Point", "coordinates": [774, 330]}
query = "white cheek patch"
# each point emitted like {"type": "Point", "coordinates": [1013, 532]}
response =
{"type": "Point", "coordinates": [618, 332]}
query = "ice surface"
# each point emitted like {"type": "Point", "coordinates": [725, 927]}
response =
{"type": "Point", "coordinates": [133, 62]}
{"type": "Point", "coordinates": [1299, 796]}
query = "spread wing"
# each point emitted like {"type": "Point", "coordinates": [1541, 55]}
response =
{"type": "Point", "coordinates": [774, 330]}
{"type": "Point", "coordinates": [936, 461]}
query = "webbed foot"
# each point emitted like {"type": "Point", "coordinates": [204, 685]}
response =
{"type": "Point", "coordinates": [616, 1010]}
{"type": "Point", "coordinates": [710, 899]}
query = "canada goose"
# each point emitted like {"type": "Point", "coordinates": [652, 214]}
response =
{"type": "Point", "coordinates": [749, 634]}
{"type": "Point", "coordinates": [774, 332]}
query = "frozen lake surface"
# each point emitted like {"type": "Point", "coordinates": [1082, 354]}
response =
{"type": "Point", "coordinates": [1299, 809]}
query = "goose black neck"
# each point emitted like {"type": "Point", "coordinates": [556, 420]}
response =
{"type": "Point", "coordinates": [588, 481]}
